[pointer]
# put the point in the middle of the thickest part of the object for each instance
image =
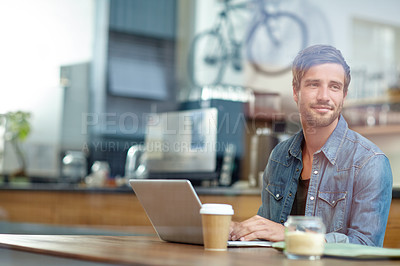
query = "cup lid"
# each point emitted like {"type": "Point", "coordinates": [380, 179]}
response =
{"type": "Point", "coordinates": [218, 209]}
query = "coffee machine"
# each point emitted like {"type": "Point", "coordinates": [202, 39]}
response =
{"type": "Point", "coordinates": [231, 103]}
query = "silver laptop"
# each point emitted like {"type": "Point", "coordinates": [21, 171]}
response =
{"type": "Point", "coordinates": [173, 208]}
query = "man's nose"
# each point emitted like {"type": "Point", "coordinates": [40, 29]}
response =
{"type": "Point", "coordinates": [323, 93]}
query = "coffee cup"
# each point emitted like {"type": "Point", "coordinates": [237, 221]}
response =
{"type": "Point", "coordinates": [216, 220]}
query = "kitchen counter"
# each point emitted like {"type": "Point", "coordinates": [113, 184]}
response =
{"type": "Point", "coordinates": [227, 191]}
{"type": "Point", "coordinates": [71, 205]}
{"type": "Point", "coordinates": [230, 191]}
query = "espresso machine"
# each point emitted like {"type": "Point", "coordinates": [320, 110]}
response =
{"type": "Point", "coordinates": [231, 103]}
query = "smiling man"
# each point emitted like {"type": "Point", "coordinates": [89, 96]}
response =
{"type": "Point", "coordinates": [326, 169]}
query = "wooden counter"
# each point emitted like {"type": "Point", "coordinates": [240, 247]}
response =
{"type": "Point", "coordinates": [123, 210]}
{"type": "Point", "coordinates": [85, 208]}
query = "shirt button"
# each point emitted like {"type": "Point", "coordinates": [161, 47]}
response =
{"type": "Point", "coordinates": [277, 195]}
{"type": "Point", "coordinates": [282, 221]}
{"type": "Point", "coordinates": [290, 194]}
{"type": "Point", "coordinates": [333, 202]}
{"type": "Point", "coordinates": [311, 198]}
{"type": "Point", "coordinates": [315, 172]}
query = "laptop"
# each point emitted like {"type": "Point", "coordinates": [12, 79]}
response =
{"type": "Point", "coordinates": [173, 208]}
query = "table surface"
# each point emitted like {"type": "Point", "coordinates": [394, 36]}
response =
{"type": "Point", "coordinates": [149, 250]}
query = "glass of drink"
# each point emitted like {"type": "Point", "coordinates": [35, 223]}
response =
{"type": "Point", "coordinates": [304, 237]}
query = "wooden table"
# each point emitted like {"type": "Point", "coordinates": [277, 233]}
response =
{"type": "Point", "coordinates": [123, 209]}
{"type": "Point", "coordinates": [149, 250]}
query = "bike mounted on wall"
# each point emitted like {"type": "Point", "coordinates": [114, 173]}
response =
{"type": "Point", "coordinates": [273, 39]}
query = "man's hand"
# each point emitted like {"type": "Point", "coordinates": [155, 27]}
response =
{"type": "Point", "coordinates": [257, 227]}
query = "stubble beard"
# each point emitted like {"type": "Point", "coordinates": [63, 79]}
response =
{"type": "Point", "coordinates": [315, 120]}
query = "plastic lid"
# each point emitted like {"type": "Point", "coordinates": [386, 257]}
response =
{"type": "Point", "coordinates": [217, 209]}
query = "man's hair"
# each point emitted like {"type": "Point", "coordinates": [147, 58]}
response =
{"type": "Point", "coordinates": [317, 55]}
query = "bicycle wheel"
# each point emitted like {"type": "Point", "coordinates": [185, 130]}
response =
{"type": "Point", "coordinates": [207, 59]}
{"type": "Point", "coordinates": [273, 43]}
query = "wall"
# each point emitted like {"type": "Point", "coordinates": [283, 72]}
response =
{"type": "Point", "coordinates": [37, 38]}
{"type": "Point", "coordinates": [328, 22]}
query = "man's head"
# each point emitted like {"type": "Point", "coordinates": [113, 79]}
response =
{"type": "Point", "coordinates": [320, 81]}
{"type": "Point", "coordinates": [317, 55]}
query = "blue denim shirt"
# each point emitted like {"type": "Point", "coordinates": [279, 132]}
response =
{"type": "Point", "coordinates": [350, 186]}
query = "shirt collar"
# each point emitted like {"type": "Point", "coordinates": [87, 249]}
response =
{"type": "Point", "coordinates": [335, 140]}
{"type": "Point", "coordinates": [295, 147]}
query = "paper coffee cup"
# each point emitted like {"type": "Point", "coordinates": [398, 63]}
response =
{"type": "Point", "coordinates": [216, 219]}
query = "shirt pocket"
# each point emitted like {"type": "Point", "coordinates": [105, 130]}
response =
{"type": "Point", "coordinates": [276, 191]}
{"type": "Point", "coordinates": [332, 207]}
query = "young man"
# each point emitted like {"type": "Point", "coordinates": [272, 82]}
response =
{"type": "Point", "coordinates": [326, 169]}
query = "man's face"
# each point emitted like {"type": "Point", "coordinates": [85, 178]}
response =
{"type": "Point", "coordinates": [320, 97]}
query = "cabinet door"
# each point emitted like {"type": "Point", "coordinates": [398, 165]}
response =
{"type": "Point", "coordinates": [150, 17]}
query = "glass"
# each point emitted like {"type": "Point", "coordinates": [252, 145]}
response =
{"type": "Point", "coordinates": [304, 237]}
{"type": "Point", "coordinates": [99, 175]}
{"type": "Point", "coordinates": [73, 166]}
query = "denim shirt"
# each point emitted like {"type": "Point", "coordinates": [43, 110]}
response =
{"type": "Point", "coordinates": [350, 186]}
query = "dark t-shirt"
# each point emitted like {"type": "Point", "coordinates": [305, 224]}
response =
{"type": "Point", "coordinates": [299, 204]}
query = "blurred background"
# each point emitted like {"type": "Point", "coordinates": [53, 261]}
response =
{"type": "Point", "coordinates": [88, 74]}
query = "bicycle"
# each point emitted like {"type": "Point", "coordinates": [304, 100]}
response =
{"type": "Point", "coordinates": [272, 41]}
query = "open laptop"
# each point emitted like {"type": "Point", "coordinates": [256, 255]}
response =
{"type": "Point", "coordinates": [173, 208]}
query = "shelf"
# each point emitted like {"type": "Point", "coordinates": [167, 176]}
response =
{"type": "Point", "coordinates": [377, 130]}
{"type": "Point", "coordinates": [371, 101]}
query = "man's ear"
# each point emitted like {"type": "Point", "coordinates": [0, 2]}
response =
{"type": "Point", "coordinates": [295, 94]}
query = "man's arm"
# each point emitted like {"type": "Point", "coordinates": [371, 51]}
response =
{"type": "Point", "coordinates": [257, 227]}
{"type": "Point", "coordinates": [370, 204]}
{"type": "Point", "coordinates": [261, 226]}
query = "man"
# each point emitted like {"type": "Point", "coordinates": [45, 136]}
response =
{"type": "Point", "coordinates": [326, 169]}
